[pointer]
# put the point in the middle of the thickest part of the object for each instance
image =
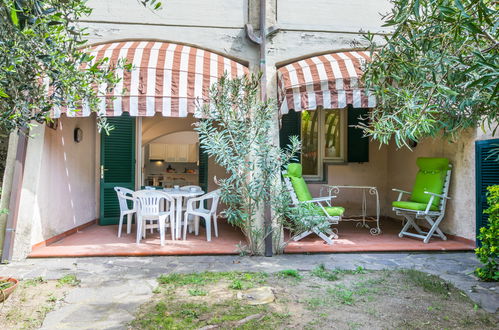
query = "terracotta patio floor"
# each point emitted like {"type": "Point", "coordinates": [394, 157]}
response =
{"type": "Point", "coordinates": [103, 241]}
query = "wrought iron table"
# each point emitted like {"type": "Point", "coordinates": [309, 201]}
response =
{"type": "Point", "coordinates": [362, 219]}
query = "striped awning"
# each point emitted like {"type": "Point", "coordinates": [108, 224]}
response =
{"type": "Point", "coordinates": [166, 78]}
{"type": "Point", "coordinates": [330, 81]}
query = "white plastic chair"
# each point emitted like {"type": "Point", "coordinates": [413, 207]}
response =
{"type": "Point", "coordinates": [195, 207]}
{"type": "Point", "coordinates": [184, 202]}
{"type": "Point", "coordinates": [149, 208]}
{"type": "Point", "coordinates": [125, 195]}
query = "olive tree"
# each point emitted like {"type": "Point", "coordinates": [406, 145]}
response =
{"type": "Point", "coordinates": [437, 72]}
{"type": "Point", "coordinates": [235, 130]}
{"type": "Point", "coordinates": [43, 63]}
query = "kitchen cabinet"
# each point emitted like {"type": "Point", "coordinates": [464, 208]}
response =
{"type": "Point", "coordinates": [157, 151]}
{"type": "Point", "coordinates": [171, 152]}
{"type": "Point", "coordinates": [193, 153]}
{"type": "Point", "coordinates": [174, 153]}
{"type": "Point", "coordinates": [182, 153]}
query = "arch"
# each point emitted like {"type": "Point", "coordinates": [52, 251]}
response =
{"type": "Point", "coordinates": [167, 78]}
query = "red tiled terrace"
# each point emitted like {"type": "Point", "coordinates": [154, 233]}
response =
{"type": "Point", "coordinates": [97, 240]}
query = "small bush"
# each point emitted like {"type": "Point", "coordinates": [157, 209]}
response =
{"type": "Point", "coordinates": [69, 279]}
{"type": "Point", "coordinates": [322, 272]}
{"type": "Point", "coordinates": [488, 253]}
{"type": "Point", "coordinates": [289, 273]}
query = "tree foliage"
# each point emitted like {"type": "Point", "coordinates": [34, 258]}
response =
{"type": "Point", "coordinates": [236, 132]}
{"type": "Point", "coordinates": [488, 252]}
{"type": "Point", "coordinates": [42, 61]}
{"type": "Point", "coordinates": [437, 72]}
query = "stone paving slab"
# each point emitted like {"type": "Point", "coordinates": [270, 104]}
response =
{"type": "Point", "coordinates": [113, 288]}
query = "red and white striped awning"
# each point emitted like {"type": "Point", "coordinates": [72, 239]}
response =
{"type": "Point", "coordinates": [330, 81]}
{"type": "Point", "coordinates": [166, 78]}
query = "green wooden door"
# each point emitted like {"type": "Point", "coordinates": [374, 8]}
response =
{"type": "Point", "coordinates": [487, 174]}
{"type": "Point", "coordinates": [117, 166]}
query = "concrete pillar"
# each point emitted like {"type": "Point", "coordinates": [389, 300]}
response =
{"type": "Point", "coordinates": [7, 184]}
{"type": "Point", "coordinates": [28, 207]}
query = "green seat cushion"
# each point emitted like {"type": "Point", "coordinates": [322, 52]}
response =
{"type": "Point", "coordinates": [301, 189]}
{"type": "Point", "coordinates": [431, 178]}
{"type": "Point", "coordinates": [413, 206]}
{"type": "Point", "coordinates": [295, 170]}
{"type": "Point", "coordinates": [335, 210]}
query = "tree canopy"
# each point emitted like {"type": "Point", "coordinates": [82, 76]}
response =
{"type": "Point", "coordinates": [437, 72]}
{"type": "Point", "coordinates": [42, 62]}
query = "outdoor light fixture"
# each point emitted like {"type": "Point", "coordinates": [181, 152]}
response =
{"type": "Point", "coordinates": [77, 135]}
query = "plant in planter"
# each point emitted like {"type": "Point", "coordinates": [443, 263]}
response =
{"type": "Point", "coordinates": [7, 286]}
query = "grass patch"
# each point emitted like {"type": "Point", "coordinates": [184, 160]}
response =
{"type": "Point", "coordinates": [28, 305]}
{"type": "Point", "coordinates": [69, 279]}
{"type": "Point", "coordinates": [34, 281]}
{"type": "Point", "coordinates": [428, 282]}
{"type": "Point", "coordinates": [168, 315]}
{"type": "Point", "coordinates": [322, 272]}
{"type": "Point", "coordinates": [197, 292]}
{"type": "Point", "coordinates": [236, 285]}
{"type": "Point", "coordinates": [247, 280]}
{"type": "Point", "coordinates": [356, 299]}
{"type": "Point", "coordinates": [343, 295]}
{"type": "Point", "coordinates": [289, 273]}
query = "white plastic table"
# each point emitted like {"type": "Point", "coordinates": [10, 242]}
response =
{"type": "Point", "coordinates": [179, 194]}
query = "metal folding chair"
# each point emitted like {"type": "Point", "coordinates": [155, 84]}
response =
{"type": "Point", "coordinates": [317, 208]}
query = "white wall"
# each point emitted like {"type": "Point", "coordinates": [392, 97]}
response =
{"type": "Point", "coordinates": [67, 185]}
{"type": "Point", "coordinates": [59, 184]}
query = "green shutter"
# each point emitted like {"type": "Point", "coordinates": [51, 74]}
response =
{"type": "Point", "coordinates": [358, 145]}
{"type": "Point", "coordinates": [487, 174]}
{"type": "Point", "coordinates": [203, 169]}
{"type": "Point", "coordinates": [118, 160]}
{"type": "Point", "coordinates": [290, 126]}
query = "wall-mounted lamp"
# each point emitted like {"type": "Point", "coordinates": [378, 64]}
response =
{"type": "Point", "coordinates": [78, 135]}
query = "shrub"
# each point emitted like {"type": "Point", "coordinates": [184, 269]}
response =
{"type": "Point", "coordinates": [489, 236]}
{"type": "Point", "coordinates": [237, 133]}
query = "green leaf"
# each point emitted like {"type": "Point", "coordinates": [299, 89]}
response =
{"type": "Point", "coordinates": [459, 5]}
{"type": "Point", "coordinates": [13, 16]}
{"type": "Point", "coordinates": [3, 94]}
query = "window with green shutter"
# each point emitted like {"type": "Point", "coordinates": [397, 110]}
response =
{"type": "Point", "coordinates": [358, 145]}
{"type": "Point", "coordinates": [487, 174]}
{"type": "Point", "coordinates": [328, 136]}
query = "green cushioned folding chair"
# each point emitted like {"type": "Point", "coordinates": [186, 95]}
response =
{"type": "Point", "coordinates": [427, 200]}
{"type": "Point", "coordinates": [317, 208]}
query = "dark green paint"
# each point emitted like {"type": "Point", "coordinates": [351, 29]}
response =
{"type": "Point", "coordinates": [118, 158]}
{"type": "Point", "coordinates": [290, 126]}
{"type": "Point", "coordinates": [357, 144]}
{"type": "Point", "coordinates": [487, 174]}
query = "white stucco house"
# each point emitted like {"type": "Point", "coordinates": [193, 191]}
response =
{"type": "Point", "coordinates": [70, 169]}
